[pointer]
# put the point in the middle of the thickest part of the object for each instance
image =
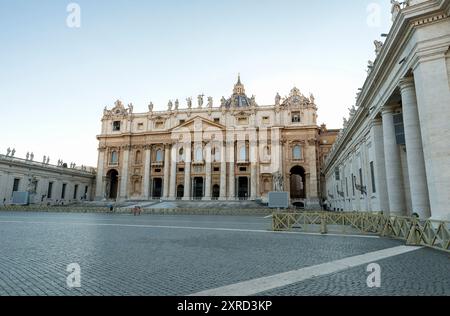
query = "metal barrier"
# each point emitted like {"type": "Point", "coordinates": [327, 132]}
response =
{"type": "Point", "coordinates": [429, 233]}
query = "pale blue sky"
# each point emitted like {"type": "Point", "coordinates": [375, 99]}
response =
{"type": "Point", "coordinates": [55, 81]}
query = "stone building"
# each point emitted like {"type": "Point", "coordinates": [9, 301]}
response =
{"type": "Point", "coordinates": [236, 150]}
{"type": "Point", "coordinates": [44, 183]}
{"type": "Point", "coordinates": [394, 154]}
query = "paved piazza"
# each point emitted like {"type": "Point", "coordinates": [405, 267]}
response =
{"type": "Point", "coordinates": [184, 255]}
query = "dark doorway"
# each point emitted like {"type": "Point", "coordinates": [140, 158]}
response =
{"type": "Point", "coordinates": [243, 188]}
{"type": "Point", "coordinates": [198, 188]}
{"type": "Point", "coordinates": [298, 181]}
{"type": "Point", "coordinates": [157, 188]}
{"type": "Point", "coordinates": [216, 192]}
{"type": "Point", "coordinates": [180, 192]}
{"type": "Point", "coordinates": [112, 184]}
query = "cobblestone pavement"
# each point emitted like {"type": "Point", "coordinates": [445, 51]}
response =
{"type": "Point", "coordinates": [180, 255]}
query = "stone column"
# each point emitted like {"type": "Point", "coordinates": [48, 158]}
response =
{"type": "Point", "coordinates": [208, 170]}
{"type": "Point", "coordinates": [253, 170]}
{"type": "Point", "coordinates": [173, 173]}
{"type": "Point", "coordinates": [147, 169]}
{"type": "Point", "coordinates": [187, 172]}
{"type": "Point", "coordinates": [393, 165]}
{"type": "Point", "coordinates": [231, 173]}
{"type": "Point", "coordinates": [379, 166]}
{"type": "Point", "coordinates": [124, 175]}
{"type": "Point", "coordinates": [414, 150]}
{"type": "Point", "coordinates": [166, 171]}
{"type": "Point", "coordinates": [99, 186]}
{"type": "Point", "coordinates": [431, 77]}
{"type": "Point", "coordinates": [223, 173]}
{"type": "Point", "coordinates": [313, 197]}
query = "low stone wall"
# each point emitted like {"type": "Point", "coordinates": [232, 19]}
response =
{"type": "Point", "coordinates": [156, 211]}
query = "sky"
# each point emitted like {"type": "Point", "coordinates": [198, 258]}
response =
{"type": "Point", "coordinates": [56, 79]}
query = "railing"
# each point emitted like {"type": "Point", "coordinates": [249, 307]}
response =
{"type": "Point", "coordinates": [429, 233]}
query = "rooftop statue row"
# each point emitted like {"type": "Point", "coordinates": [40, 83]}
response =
{"type": "Point", "coordinates": [238, 100]}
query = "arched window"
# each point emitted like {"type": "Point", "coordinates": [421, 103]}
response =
{"type": "Point", "coordinates": [198, 154]}
{"type": "Point", "coordinates": [159, 156]}
{"type": "Point", "coordinates": [138, 157]}
{"type": "Point", "coordinates": [297, 152]}
{"type": "Point", "coordinates": [181, 154]}
{"type": "Point", "coordinates": [114, 158]}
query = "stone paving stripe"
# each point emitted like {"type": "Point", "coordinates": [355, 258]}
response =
{"type": "Point", "coordinates": [255, 286]}
{"type": "Point", "coordinates": [189, 228]}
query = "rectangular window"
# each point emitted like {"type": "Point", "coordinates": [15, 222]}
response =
{"type": "Point", "coordinates": [399, 129]}
{"type": "Point", "coordinates": [360, 177]}
{"type": "Point", "coordinates": [295, 117]}
{"type": "Point", "coordinates": [243, 169]}
{"type": "Point", "coordinates": [372, 173]}
{"type": "Point", "coordinates": [63, 192]}
{"type": "Point", "coordinates": [336, 174]}
{"type": "Point", "coordinates": [50, 189]}
{"type": "Point", "coordinates": [182, 122]}
{"type": "Point", "coordinates": [140, 126]}
{"type": "Point", "coordinates": [216, 169]}
{"type": "Point", "coordinates": [346, 185]}
{"type": "Point", "coordinates": [75, 192]}
{"type": "Point", "coordinates": [180, 169]}
{"type": "Point", "coordinates": [217, 120]}
{"type": "Point", "coordinates": [242, 121]}
{"type": "Point", "coordinates": [116, 126]}
{"type": "Point", "coordinates": [266, 120]}
{"type": "Point", "coordinates": [353, 184]}
{"type": "Point", "coordinates": [16, 185]}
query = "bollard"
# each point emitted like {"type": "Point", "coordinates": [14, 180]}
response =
{"type": "Point", "coordinates": [323, 224]}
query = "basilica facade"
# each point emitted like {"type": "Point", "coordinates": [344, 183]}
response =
{"type": "Point", "coordinates": [237, 150]}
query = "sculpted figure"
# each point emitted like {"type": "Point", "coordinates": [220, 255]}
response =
{"type": "Point", "coordinates": [27, 156]}
{"type": "Point", "coordinates": [44, 159]}
{"type": "Point", "coordinates": [200, 100]}
{"type": "Point", "coordinates": [378, 46]}
{"type": "Point", "coordinates": [32, 156]}
{"type": "Point", "coordinates": [395, 10]}
{"type": "Point", "coordinates": [177, 104]}
{"type": "Point", "coordinates": [8, 151]}
{"type": "Point", "coordinates": [130, 108]}
{"type": "Point", "coordinates": [189, 103]}
{"type": "Point", "coordinates": [48, 160]}
{"type": "Point", "coordinates": [170, 105]}
{"type": "Point", "coordinates": [210, 102]}
{"type": "Point", "coordinates": [150, 107]}
{"type": "Point", "coordinates": [277, 99]}
{"type": "Point", "coordinates": [312, 98]}
{"type": "Point", "coordinates": [13, 152]}
{"type": "Point", "coordinates": [223, 101]}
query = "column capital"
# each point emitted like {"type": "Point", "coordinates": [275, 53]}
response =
{"type": "Point", "coordinates": [386, 109]}
{"type": "Point", "coordinates": [406, 83]}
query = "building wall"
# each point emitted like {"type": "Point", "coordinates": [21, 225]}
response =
{"type": "Point", "coordinates": [268, 134]}
{"type": "Point", "coordinates": [409, 77]}
{"type": "Point", "coordinates": [28, 172]}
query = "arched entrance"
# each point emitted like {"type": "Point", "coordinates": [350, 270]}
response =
{"type": "Point", "coordinates": [112, 184]}
{"type": "Point", "coordinates": [157, 188]}
{"type": "Point", "coordinates": [180, 192]}
{"type": "Point", "coordinates": [198, 188]}
{"type": "Point", "coordinates": [216, 192]}
{"type": "Point", "coordinates": [298, 182]}
{"type": "Point", "coordinates": [243, 188]}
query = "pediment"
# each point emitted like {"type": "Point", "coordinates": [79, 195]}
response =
{"type": "Point", "coordinates": [198, 123]}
